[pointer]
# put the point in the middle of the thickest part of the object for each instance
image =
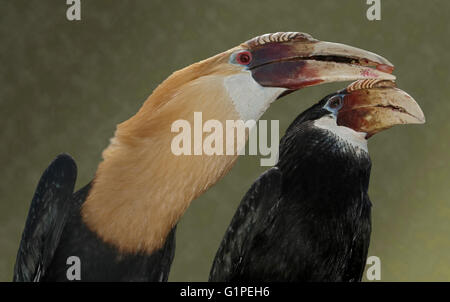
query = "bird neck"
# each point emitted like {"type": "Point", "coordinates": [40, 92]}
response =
{"type": "Point", "coordinates": [329, 174]}
{"type": "Point", "coordinates": [141, 187]}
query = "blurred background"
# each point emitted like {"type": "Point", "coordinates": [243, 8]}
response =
{"type": "Point", "coordinates": [65, 85]}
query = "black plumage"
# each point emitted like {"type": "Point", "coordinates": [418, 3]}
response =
{"type": "Point", "coordinates": [307, 218]}
{"type": "Point", "coordinates": [54, 231]}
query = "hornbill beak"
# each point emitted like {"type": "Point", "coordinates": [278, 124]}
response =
{"type": "Point", "coordinates": [372, 106]}
{"type": "Point", "coordinates": [299, 61]}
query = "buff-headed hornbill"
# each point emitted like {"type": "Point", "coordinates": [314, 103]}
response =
{"type": "Point", "coordinates": [121, 226]}
{"type": "Point", "coordinates": [309, 217]}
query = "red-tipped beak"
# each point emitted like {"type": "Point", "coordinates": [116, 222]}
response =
{"type": "Point", "coordinates": [297, 64]}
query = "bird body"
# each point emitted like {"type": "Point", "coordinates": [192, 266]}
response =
{"type": "Point", "coordinates": [309, 217]}
{"type": "Point", "coordinates": [103, 261]}
{"type": "Point", "coordinates": [70, 236]}
{"type": "Point", "coordinates": [314, 225]}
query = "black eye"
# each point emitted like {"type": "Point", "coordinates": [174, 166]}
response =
{"type": "Point", "coordinates": [335, 102]}
{"type": "Point", "coordinates": [244, 58]}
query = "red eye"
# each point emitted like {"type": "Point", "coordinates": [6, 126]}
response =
{"type": "Point", "coordinates": [335, 102]}
{"type": "Point", "coordinates": [244, 58]}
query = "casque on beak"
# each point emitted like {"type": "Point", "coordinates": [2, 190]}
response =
{"type": "Point", "coordinates": [296, 60]}
{"type": "Point", "coordinates": [372, 106]}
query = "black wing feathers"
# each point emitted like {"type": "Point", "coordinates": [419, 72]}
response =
{"type": "Point", "coordinates": [263, 194]}
{"type": "Point", "coordinates": [46, 219]}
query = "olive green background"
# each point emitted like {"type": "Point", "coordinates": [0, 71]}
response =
{"type": "Point", "coordinates": [65, 85]}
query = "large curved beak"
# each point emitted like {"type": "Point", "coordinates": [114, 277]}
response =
{"type": "Point", "coordinates": [297, 64]}
{"type": "Point", "coordinates": [373, 106]}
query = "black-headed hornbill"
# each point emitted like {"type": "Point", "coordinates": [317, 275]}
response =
{"type": "Point", "coordinates": [122, 225]}
{"type": "Point", "coordinates": [309, 217]}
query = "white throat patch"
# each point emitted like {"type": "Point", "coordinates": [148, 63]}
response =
{"type": "Point", "coordinates": [356, 139]}
{"type": "Point", "coordinates": [249, 98]}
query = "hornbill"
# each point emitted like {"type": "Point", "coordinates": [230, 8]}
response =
{"type": "Point", "coordinates": [309, 217]}
{"type": "Point", "coordinates": [121, 225]}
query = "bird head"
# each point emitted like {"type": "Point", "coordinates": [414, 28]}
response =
{"type": "Point", "coordinates": [363, 109]}
{"type": "Point", "coordinates": [273, 65]}
{"type": "Point", "coordinates": [295, 60]}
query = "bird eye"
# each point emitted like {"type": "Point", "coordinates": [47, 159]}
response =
{"type": "Point", "coordinates": [244, 58]}
{"type": "Point", "coordinates": [335, 102]}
